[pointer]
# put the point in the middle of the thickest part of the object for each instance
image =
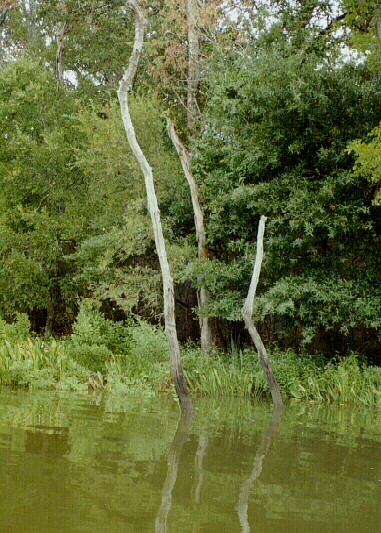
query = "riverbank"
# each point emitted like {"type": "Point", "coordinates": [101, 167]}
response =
{"type": "Point", "coordinates": [136, 358]}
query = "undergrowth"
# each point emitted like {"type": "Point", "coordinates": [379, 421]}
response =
{"type": "Point", "coordinates": [133, 356]}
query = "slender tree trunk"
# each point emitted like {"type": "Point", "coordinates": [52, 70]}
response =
{"type": "Point", "coordinates": [61, 30]}
{"type": "Point", "coordinates": [247, 313]}
{"type": "Point", "coordinates": [202, 247]}
{"type": "Point", "coordinates": [193, 64]}
{"type": "Point", "coordinates": [168, 290]}
{"type": "Point", "coordinates": [185, 156]}
{"type": "Point", "coordinates": [199, 478]}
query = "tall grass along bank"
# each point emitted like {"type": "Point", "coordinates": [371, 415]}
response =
{"type": "Point", "coordinates": [126, 357]}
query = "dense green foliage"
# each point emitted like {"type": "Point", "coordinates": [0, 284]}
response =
{"type": "Point", "coordinates": [280, 126]}
{"type": "Point", "coordinates": [288, 127]}
{"type": "Point", "coordinates": [43, 189]}
{"type": "Point", "coordinates": [368, 161]}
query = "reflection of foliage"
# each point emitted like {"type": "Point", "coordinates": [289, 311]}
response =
{"type": "Point", "coordinates": [106, 460]}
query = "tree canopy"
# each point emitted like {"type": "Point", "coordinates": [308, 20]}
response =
{"type": "Point", "coordinates": [288, 126]}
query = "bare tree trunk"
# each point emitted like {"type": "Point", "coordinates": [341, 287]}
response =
{"type": "Point", "coordinates": [247, 313]}
{"type": "Point", "coordinates": [184, 154]}
{"type": "Point", "coordinates": [193, 64]}
{"type": "Point", "coordinates": [168, 291]}
{"type": "Point", "coordinates": [61, 30]}
{"type": "Point", "coordinates": [203, 252]}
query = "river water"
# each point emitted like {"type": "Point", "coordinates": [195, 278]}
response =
{"type": "Point", "coordinates": [100, 463]}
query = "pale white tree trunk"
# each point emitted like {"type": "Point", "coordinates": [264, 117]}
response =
{"type": "Point", "coordinates": [193, 81]}
{"type": "Point", "coordinates": [199, 478]}
{"type": "Point", "coordinates": [168, 290]}
{"type": "Point", "coordinates": [60, 33]}
{"type": "Point", "coordinates": [202, 294]}
{"type": "Point", "coordinates": [247, 313]}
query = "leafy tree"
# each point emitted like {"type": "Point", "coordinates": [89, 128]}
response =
{"type": "Point", "coordinates": [87, 40]}
{"type": "Point", "coordinates": [43, 189]}
{"type": "Point", "coordinates": [116, 259]}
{"type": "Point", "coordinates": [363, 20]}
{"type": "Point", "coordinates": [274, 142]}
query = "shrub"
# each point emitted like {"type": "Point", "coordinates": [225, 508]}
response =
{"type": "Point", "coordinates": [16, 331]}
{"type": "Point", "coordinates": [96, 339]}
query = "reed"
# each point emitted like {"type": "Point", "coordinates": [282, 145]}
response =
{"type": "Point", "coordinates": [346, 381]}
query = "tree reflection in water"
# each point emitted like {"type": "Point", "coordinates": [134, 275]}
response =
{"type": "Point", "coordinates": [200, 454]}
{"type": "Point", "coordinates": [173, 461]}
{"type": "Point", "coordinates": [174, 455]}
{"type": "Point", "coordinates": [257, 469]}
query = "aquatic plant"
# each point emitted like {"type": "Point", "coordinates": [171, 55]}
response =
{"type": "Point", "coordinates": [140, 363]}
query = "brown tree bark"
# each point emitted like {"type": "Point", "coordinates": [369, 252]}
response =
{"type": "Point", "coordinates": [247, 313]}
{"type": "Point", "coordinates": [168, 290]}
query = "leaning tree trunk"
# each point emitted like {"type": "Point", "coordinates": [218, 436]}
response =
{"type": "Point", "coordinates": [168, 291]}
{"type": "Point", "coordinates": [202, 294]}
{"type": "Point", "coordinates": [247, 313]}
{"type": "Point", "coordinates": [243, 501]}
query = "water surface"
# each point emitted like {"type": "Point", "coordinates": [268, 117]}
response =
{"type": "Point", "coordinates": [98, 463]}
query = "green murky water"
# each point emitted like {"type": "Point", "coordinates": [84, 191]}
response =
{"type": "Point", "coordinates": [88, 463]}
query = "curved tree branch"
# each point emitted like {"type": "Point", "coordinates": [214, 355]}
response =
{"type": "Point", "coordinates": [247, 313]}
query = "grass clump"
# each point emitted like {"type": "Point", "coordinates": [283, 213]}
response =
{"type": "Point", "coordinates": [217, 374]}
{"type": "Point", "coordinates": [345, 381]}
{"type": "Point", "coordinates": [100, 354]}
{"type": "Point", "coordinates": [38, 364]}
